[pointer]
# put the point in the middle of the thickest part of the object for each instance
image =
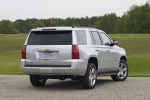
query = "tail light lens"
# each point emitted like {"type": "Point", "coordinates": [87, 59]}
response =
{"type": "Point", "coordinates": [75, 52]}
{"type": "Point", "coordinates": [24, 52]}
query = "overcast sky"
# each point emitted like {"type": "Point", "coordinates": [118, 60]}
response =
{"type": "Point", "coordinates": [23, 9]}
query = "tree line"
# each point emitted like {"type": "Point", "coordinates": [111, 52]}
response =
{"type": "Point", "coordinates": [135, 20]}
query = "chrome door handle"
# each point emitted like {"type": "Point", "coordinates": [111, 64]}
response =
{"type": "Point", "coordinates": [96, 50]}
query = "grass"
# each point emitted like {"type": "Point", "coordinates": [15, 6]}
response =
{"type": "Point", "coordinates": [136, 45]}
{"type": "Point", "coordinates": [10, 53]}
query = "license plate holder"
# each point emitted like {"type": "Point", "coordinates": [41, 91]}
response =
{"type": "Point", "coordinates": [48, 54]}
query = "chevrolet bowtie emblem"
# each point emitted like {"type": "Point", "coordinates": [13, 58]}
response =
{"type": "Point", "coordinates": [47, 49]}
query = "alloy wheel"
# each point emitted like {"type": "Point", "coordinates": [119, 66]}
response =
{"type": "Point", "coordinates": [92, 76]}
{"type": "Point", "coordinates": [122, 71]}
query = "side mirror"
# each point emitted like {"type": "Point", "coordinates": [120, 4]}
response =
{"type": "Point", "coordinates": [115, 43]}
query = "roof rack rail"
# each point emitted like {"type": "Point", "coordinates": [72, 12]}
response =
{"type": "Point", "coordinates": [82, 27]}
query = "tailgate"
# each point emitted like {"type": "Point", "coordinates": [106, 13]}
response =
{"type": "Point", "coordinates": [49, 49]}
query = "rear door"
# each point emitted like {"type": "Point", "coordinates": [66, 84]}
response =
{"type": "Point", "coordinates": [49, 49]}
{"type": "Point", "coordinates": [97, 45]}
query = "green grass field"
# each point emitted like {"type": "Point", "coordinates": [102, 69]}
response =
{"type": "Point", "coordinates": [10, 53]}
{"type": "Point", "coordinates": [136, 45]}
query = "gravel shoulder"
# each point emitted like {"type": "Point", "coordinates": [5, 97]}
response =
{"type": "Point", "coordinates": [18, 87]}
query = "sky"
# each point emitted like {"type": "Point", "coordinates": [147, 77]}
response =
{"type": "Point", "coordinates": [23, 9]}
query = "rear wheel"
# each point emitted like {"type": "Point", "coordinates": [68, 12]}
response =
{"type": "Point", "coordinates": [122, 72]}
{"type": "Point", "coordinates": [88, 81]}
{"type": "Point", "coordinates": [37, 80]}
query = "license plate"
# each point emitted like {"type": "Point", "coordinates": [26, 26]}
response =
{"type": "Point", "coordinates": [48, 54]}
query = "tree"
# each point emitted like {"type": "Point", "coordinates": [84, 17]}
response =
{"type": "Point", "coordinates": [7, 27]}
{"type": "Point", "coordinates": [135, 20]}
{"type": "Point", "coordinates": [107, 23]}
{"type": "Point", "coordinates": [37, 23]}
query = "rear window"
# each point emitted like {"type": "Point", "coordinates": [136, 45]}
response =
{"type": "Point", "coordinates": [50, 38]}
{"type": "Point", "coordinates": [81, 37]}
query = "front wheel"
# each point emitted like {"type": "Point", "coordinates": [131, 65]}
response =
{"type": "Point", "coordinates": [37, 80]}
{"type": "Point", "coordinates": [88, 81]}
{"type": "Point", "coordinates": [122, 72]}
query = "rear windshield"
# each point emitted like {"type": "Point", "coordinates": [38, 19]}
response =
{"type": "Point", "coordinates": [50, 38]}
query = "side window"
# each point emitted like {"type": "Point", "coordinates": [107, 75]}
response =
{"type": "Point", "coordinates": [96, 38]}
{"type": "Point", "coordinates": [81, 37]}
{"type": "Point", "coordinates": [106, 39]}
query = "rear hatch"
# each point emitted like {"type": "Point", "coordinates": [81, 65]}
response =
{"type": "Point", "coordinates": [49, 49]}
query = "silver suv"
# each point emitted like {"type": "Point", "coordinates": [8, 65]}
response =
{"type": "Point", "coordinates": [78, 53]}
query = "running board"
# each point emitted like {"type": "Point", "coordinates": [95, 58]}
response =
{"type": "Point", "coordinates": [106, 73]}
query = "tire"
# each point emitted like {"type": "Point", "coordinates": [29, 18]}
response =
{"type": "Point", "coordinates": [122, 72]}
{"type": "Point", "coordinates": [88, 81]}
{"type": "Point", "coordinates": [37, 81]}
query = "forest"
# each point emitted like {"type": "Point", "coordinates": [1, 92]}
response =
{"type": "Point", "coordinates": [135, 20]}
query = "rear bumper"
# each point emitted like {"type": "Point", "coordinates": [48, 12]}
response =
{"type": "Point", "coordinates": [78, 67]}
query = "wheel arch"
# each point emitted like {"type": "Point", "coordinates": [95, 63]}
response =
{"type": "Point", "coordinates": [94, 61]}
{"type": "Point", "coordinates": [123, 58]}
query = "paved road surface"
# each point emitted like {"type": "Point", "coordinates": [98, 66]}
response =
{"type": "Point", "coordinates": [18, 87]}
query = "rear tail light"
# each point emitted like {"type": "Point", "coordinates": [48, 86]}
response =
{"type": "Point", "coordinates": [24, 52]}
{"type": "Point", "coordinates": [75, 52]}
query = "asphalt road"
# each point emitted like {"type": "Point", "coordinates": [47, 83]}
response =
{"type": "Point", "coordinates": [18, 87]}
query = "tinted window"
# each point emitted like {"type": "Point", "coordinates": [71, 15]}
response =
{"type": "Point", "coordinates": [106, 39]}
{"type": "Point", "coordinates": [50, 38]}
{"type": "Point", "coordinates": [81, 37]}
{"type": "Point", "coordinates": [96, 38]}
